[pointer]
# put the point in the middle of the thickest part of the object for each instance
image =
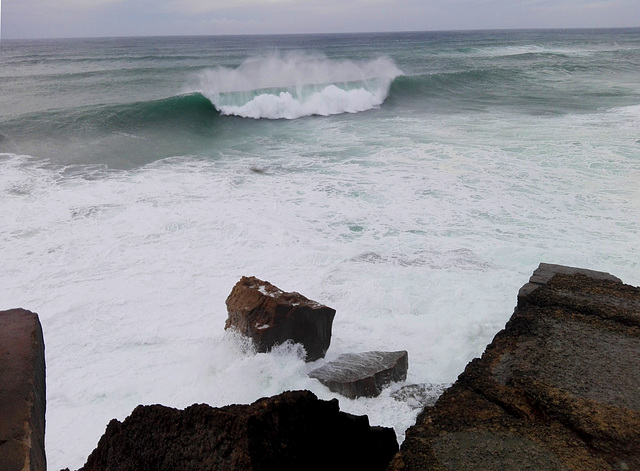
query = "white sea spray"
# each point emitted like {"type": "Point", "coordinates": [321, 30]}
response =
{"type": "Point", "coordinates": [298, 84]}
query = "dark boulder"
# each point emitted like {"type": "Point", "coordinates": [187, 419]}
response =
{"type": "Point", "coordinates": [557, 389]}
{"type": "Point", "coordinates": [22, 392]}
{"type": "Point", "coordinates": [363, 374]}
{"type": "Point", "coordinates": [291, 431]}
{"type": "Point", "coordinates": [270, 316]}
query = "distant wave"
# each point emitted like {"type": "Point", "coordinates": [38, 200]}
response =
{"type": "Point", "coordinates": [298, 84]}
{"type": "Point", "coordinates": [181, 111]}
{"type": "Point", "coordinates": [448, 84]}
{"type": "Point", "coordinates": [295, 85]}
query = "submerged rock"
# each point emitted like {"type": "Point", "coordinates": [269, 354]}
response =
{"type": "Point", "coordinates": [270, 316]}
{"type": "Point", "coordinates": [22, 392]}
{"type": "Point", "coordinates": [291, 431]}
{"type": "Point", "coordinates": [557, 389]}
{"type": "Point", "coordinates": [363, 374]}
{"type": "Point", "coordinates": [418, 396]}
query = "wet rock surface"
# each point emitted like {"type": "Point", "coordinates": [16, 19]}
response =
{"type": "Point", "coordinates": [557, 389]}
{"type": "Point", "coordinates": [363, 374]}
{"type": "Point", "coordinates": [420, 395]}
{"type": "Point", "coordinates": [291, 431]}
{"type": "Point", "coordinates": [22, 392]}
{"type": "Point", "coordinates": [270, 316]}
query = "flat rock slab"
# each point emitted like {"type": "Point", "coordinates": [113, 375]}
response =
{"type": "Point", "coordinates": [557, 389]}
{"type": "Point", "coordinates": [546, 271]}
{"type": "Point", "coordinates": [292, 431]}
{"type": "Point", "coordinates": [270, 316]}
{"type": "Point", "coordinates": [363, 374]}
{"type": "Point", "coordinates": [22, 392]}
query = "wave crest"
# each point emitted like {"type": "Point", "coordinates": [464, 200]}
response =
{"type": "Point", "coordinates": [296, 85]}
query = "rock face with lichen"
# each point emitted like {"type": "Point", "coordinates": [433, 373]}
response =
{"type": "Point", "coordinates": [270, 316]}
{"type": "Point", "coordinates": [557, 389]}
{"type": "Point", "coordinates": [293, 430]}
{"type": "Point", "coordinates": [22, 392]}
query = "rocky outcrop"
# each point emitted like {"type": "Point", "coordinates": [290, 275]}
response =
{"type": "Point", "coordinates": [22, 392]}
{"type": "Point", "coordinates": [270, 316]}
{"type": "Point", "coordinates": [291, 431]}
{"type": "Point", "coordinates": [363, 374]}
{"type": "Point", "coordinates": [557, 389]}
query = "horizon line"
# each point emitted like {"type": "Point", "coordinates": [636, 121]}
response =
{"type": "Point", "coordinates": [463, 30]}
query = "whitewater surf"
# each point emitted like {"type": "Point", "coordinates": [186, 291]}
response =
{"type": "Point", "coordinates": [295, 85]}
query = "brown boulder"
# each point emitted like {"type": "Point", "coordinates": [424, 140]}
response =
{"type": "Point", "coordinates": [557, 389]}
{"type": "Point", "coordinates": [22, 392]}
{"type": "Point", "coordinates": [291, 431]}
{"type": "Point", "coordinates": [363, 374]}
{"type": "Point", "coordinates": [270, 316]}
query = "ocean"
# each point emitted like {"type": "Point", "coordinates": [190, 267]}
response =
{"type": "Point", "coordinates": [411, 181]}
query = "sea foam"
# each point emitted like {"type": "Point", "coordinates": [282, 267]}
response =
{"type": "Point", "coordinates": [294, 85]}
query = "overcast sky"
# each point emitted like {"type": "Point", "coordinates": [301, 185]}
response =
{"type": "Point", "coordinates": [80, 18]}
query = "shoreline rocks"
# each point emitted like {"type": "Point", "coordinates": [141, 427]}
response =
{"type": "Point", "coordinates": [557, 389]}
{"type": "Point", "coordinates": [418, 396]}
{"type": "Point", "coordinates": [290, 431]}
{"type": "Point", "coordinates": [270, 316]}
{"type": "Point", "coordinates": [363, 374]}
{"type": "Point", "coordinates": [22, 392]}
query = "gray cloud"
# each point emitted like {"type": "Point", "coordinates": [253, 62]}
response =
{"type": "Point", "coordinates": [66, 18]}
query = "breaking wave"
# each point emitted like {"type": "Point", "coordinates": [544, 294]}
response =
{"type": "Point", "coordinates": [295, 85]}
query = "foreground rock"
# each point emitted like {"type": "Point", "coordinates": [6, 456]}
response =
{"type": "Point", "coordinates": [291, 431]}
{"type": "Point", "coordinates": [22, 392]}
{"type": "Point", "coordinates": [557, 389]}
{"type": "Point", "coordinates": [269, 316]}
{"type": "Point", "coordinates": [363, 374]}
